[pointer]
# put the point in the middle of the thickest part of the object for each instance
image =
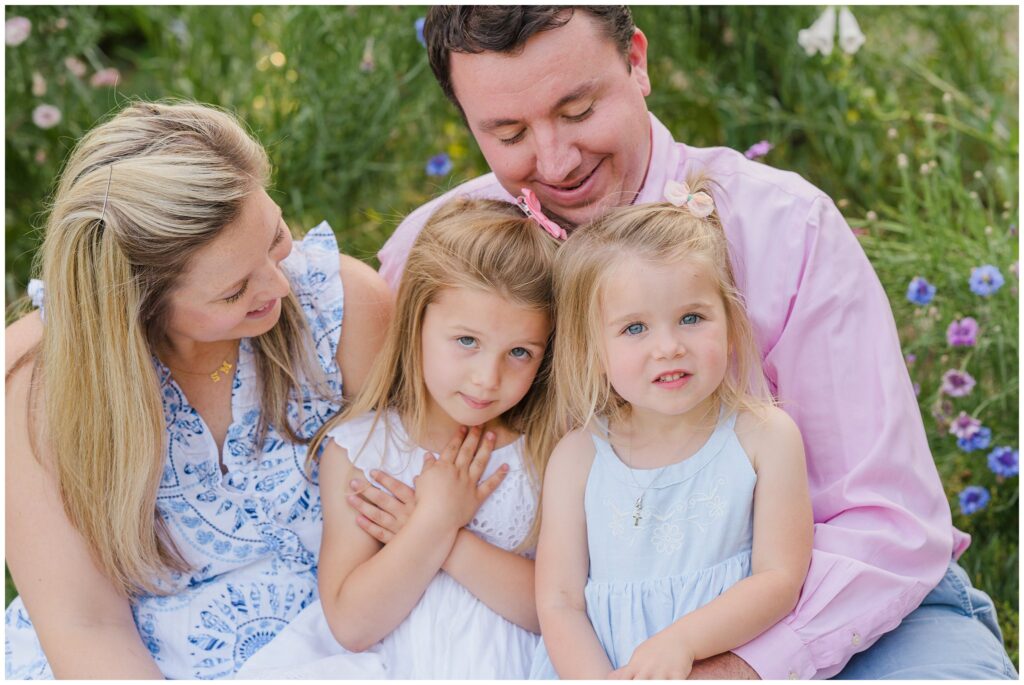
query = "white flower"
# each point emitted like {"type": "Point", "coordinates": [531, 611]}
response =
{"type": "Point", "coordinates": [820, 35]}
{"type": "Point", "coordinates": [902, 161]}
{"type": "Point", "coordinates": [46, 116]}
{"type": "Point", "coordinates": [667, 538]}
{"type": "Point", "coordinates": [17, 30]}
{"type": "Point", "coordinates": [850, 35]}
{"type": "Point", "coordinates": [38, 84]}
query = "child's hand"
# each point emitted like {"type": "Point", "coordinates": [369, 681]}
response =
{"type": "Point", "coordinates": [382, 512]}
{"type": "Point", "coordinates": [660, 657]}
{"type": "Point", "coordinates": [448, 490]}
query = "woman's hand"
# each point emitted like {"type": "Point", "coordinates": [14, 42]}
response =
{"type": "Point", "coordinates": [448, 490]}
{"type": "Point", "coordinates": [382, 513]}
{"type": "Point", "coordinates": [660, 657]}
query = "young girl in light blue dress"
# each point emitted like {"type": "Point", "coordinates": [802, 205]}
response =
{"type": "Point", "coordinates": [676, 520]}
{"type": "Point", "coordinates": [438, 582]}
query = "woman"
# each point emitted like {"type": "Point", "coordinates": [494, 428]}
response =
{"type": "Point", "coordinates": [159, 518]}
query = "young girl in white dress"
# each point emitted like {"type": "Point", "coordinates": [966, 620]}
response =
{"type": "Point", "coordinates": [676, 518]}
{"type": "Point", "coordinates": [442, 586]}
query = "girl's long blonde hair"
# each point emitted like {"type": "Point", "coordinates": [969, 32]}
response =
{"type": "Point", "coordinates": [485, 245]}
{"type": "Point", "coordinates": [660, 233]}
{"type": "Point", "coordinates": [137, 198]}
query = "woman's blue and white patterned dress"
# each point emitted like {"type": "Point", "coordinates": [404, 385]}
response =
{"type": "Point", "coordinates": [251, 534]}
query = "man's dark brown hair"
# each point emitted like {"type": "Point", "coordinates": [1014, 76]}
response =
{"type": "Point", "coordinates": [506, 28]}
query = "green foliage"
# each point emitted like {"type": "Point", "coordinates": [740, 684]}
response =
{"type": "Point", "coordinates": [346, 104]}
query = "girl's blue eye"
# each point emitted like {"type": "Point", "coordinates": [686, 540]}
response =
{"type": "Point", "coordinates": [520, 353]}
{"type": "Point", "coordinates": [466, 341]}
{"type": "Point", "coordinates": [635, 329]}
{"type": "Point", "coordinates": [690, 319]}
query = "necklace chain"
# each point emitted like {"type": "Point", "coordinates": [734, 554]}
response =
{"type": "Point", "coordinates": [638, 504]}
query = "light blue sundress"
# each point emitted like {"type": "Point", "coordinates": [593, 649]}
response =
{"type": "Point", "coordinates": [251, 534]}
{"type": "Point", "coordinates": [689, 543]}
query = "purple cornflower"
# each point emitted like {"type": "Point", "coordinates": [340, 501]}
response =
{"type": "Point", "coordinates": [962, 332]}
{"type": "Point", "coordinates": [1004, 461]}
{"type": "Point", "coordinates": [964, 426]}
{"type": "Point", "coordinates": [978, 441]}
{"type": "Point", "coordinates": [985, 280]}
{"type": "Point", "coordinates": [973, 498]}
{"type": "Point", "coordinates": [957, 383]}
{"type": "Point", "coordinates": [758, 149]}
{"type": "Point", "coordinates": [419, 31]}
{"type": "Point", "coordinates": [910, 357]}
{"type": "Point", "coordinates": [439, 165]}
{"type": "Point", "coordinates": [920, 291]}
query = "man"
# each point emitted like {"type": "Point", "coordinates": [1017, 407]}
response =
{"type": "Point", "coordinates": [555, 98]}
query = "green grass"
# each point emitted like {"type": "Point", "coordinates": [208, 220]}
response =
{"type": "Point", "coordinates": [936, 84]}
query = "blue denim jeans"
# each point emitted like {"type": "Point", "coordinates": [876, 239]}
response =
{"type": "Point", "coordinates": [952, 635]}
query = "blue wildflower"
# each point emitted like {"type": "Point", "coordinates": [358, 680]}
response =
{"type": "Point", "coordinates": [985, 280]}
{"type": "Point", "coordinates": [439, 165]}
{"type": "Point", "coordinates": [920, 291]}
{"type": "Point", "coordinates": [1004, 461]}
{"type": "Point", "coordinates": [973, 498]}
{"type": "Point", "coordinates": [419, 31]}
{"type": "Point", "coordinates": [978, 441]}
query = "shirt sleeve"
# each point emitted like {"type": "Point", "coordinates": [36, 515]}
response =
{"type": "Point", "coordinates": [882, 533]}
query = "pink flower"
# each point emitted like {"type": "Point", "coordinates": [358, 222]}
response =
{"type": "Point", "coordinates": [75, 66]}
{"type": "Point", "coordinates": [38, 84]}
{"type": "Point", "coordinates": [61, 23]}
{"type": "Point", "coordinates": [962, 332]}
{"type": "Point", "coordinates": [956, 383]}
{"type": "Point", "coordinates": [40, 156]}
{"type": "Point", "coordinates": [964, 426]}
{"type": "Point", "coordinates": [105, 77]}
{"type": "Point", "coordinates": [46, 116]}
{"type": "Point", "coordinates": [758, 149]}
{"type": "Point", "coordinates": [17, 30]}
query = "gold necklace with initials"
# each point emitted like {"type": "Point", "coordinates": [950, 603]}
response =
{"type": "Point", "coordinates": [215, 375]}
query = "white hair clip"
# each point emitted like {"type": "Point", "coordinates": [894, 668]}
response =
{"type": "Point", "coordinates": [678, 193]}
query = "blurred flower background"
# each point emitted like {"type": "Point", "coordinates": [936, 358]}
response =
{"type": "Point", "coordinates": [906, 116]}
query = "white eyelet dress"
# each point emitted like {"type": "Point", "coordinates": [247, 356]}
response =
{"type": "Point", "coordinates": [691, 543]}
{"type": "Point", "coordinates": [250, 535]}
{"type": "Point", "coordinates": [449, 633]}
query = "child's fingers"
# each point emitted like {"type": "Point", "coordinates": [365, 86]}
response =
{"type": "Point", "coordinates": [468, 448]}
{"type": "Point", "coordinates": [402, 492]}
{"type": "Point", "coordinates": [379, 534]}
{"type": "Point", "coordinates": [484, 490]}
{"type": "Point", "coordinates": [452, 448]}
{"type": "Point", "coordinates": [482, 456]}
{"type": "Point", "coordinates": [428, 461]}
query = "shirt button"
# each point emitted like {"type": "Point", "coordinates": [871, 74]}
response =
{"type": "Point", "coordinates": [792, 675]}
{"type": "Point", "coordinates": [855, 639]}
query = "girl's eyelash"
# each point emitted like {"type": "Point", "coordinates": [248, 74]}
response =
{"type": "Point", "coordinates": [234, 298]}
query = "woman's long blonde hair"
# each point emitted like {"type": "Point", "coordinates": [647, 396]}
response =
{"type": "Point", "coordinates": [137, 198]}
{"type": "Point", "coordinates": [484, 245]}
{"type": "Point", "coordinates": [659, 233]}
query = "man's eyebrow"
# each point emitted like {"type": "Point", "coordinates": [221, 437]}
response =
{"type": "Point", "coordinates": [577, 93]}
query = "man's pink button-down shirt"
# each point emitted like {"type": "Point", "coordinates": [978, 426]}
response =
{"type": "Point", "coordinates": [883, 535]}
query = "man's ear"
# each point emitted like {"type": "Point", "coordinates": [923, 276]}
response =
{"type": "Point", "coordinates": [638, 61]}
